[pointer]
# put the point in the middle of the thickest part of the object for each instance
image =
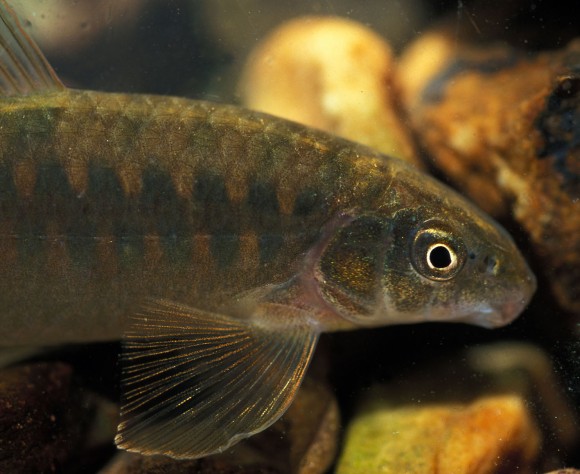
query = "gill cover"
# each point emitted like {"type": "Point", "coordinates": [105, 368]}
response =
{"type": "Point", "coordinates": [350, 267]}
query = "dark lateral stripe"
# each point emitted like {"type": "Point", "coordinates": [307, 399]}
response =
{"type": "Point", "coordinates": [105, 199]}
{"type": "Point", "coordinates": [263, 205]}
{"type": "Point", "coordinates": [8, 196]}
{"type": "Point", "coordinates": [211, 202]}
{"type": "Point", "coordinates": [54, 206]}
{"type": "Point", "coordinates": [309, 201]}
{"type": "Point", "coordinates": [269, 245]}
{"type": "Point", "coordinates": [224, 249]}
{"type": "Point", "coordinates": [103, 210]}
{"type": "Point", "coordinates": [170, 216]}
{"type": "Point", "coordinates": [55, 198]}
{"type": "Point", "coordinates": [114, 213]}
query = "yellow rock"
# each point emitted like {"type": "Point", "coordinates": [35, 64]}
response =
{"type": "Point", "coordinates": [492, 434]}
{"type": "Point", "coordinates": [330, 73]}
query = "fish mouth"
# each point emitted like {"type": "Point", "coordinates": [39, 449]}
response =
{"type": "Point", "coordinates": [504, 312]}
{"type": "Point", "coordinates": [491, 318]}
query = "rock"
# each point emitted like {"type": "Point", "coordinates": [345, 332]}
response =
{"type": "Point", "coordinates": [103, 427]}
{"type": "Point", "coordinates": [504, 127]}
{"type": "Point", "coordinates": [313, 425]}
{"type": "Point", "coordinates": [529, 371]}
{"type": "Point", "coordinates": [42, 417]}
{"type": "Point", "coordinates": [475, 412]}
{"type": "Point", "coordinates": [236, 29]}
{"type": "Point", "coordinates": [489, 435]}
{"type": "Point", "coordinates": [333, 74]}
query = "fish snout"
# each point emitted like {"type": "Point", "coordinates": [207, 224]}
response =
{"type": "Point", "coordinates": [515, 301]}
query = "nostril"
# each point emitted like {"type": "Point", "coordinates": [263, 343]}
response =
{"type": "Point", "coordinates": [491, 264]}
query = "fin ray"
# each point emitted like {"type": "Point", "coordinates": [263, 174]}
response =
{"type": "Point", "coordinates": [196, 382]}
{"type": "Point", "coordinates": [24, 69]}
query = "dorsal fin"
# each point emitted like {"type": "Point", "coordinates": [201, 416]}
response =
{"type": "Point", "coordinates": [23, 67]}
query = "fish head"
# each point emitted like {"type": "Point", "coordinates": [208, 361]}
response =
{"type": "Point", "coordinates": [457, 265]}
{"type": "Point", "coordinates": [434, 258]}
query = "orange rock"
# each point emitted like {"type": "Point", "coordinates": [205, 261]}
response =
{"type": "Point", "coordinates": [494, 434]}
{"type": "Point", "coordinates": [503, 127]}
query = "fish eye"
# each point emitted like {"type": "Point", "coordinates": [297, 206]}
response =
{"type": "Point", "coordinates": [437, 253]}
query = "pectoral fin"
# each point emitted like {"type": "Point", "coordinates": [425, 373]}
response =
{"type": "Point", "coordinates": [197, 382]}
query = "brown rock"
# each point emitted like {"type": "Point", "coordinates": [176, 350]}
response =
{"type": "Point", "coordinates": [41, 417]}
{"type": "Point", "coordinates": [313, 424]}
{"type": "Point", "coordinates": [503, 126]}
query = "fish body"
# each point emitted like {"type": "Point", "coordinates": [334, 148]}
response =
{"type": "Point", "coordinates": [218, 243]}
{"type": "Point", "coordinates": [111, 198]}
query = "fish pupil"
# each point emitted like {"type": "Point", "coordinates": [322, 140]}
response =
{"type": "Point", "coordinates": [439, 256]}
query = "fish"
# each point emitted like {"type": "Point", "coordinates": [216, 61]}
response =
{"type": "Point", "coordinates": [218, 243]}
